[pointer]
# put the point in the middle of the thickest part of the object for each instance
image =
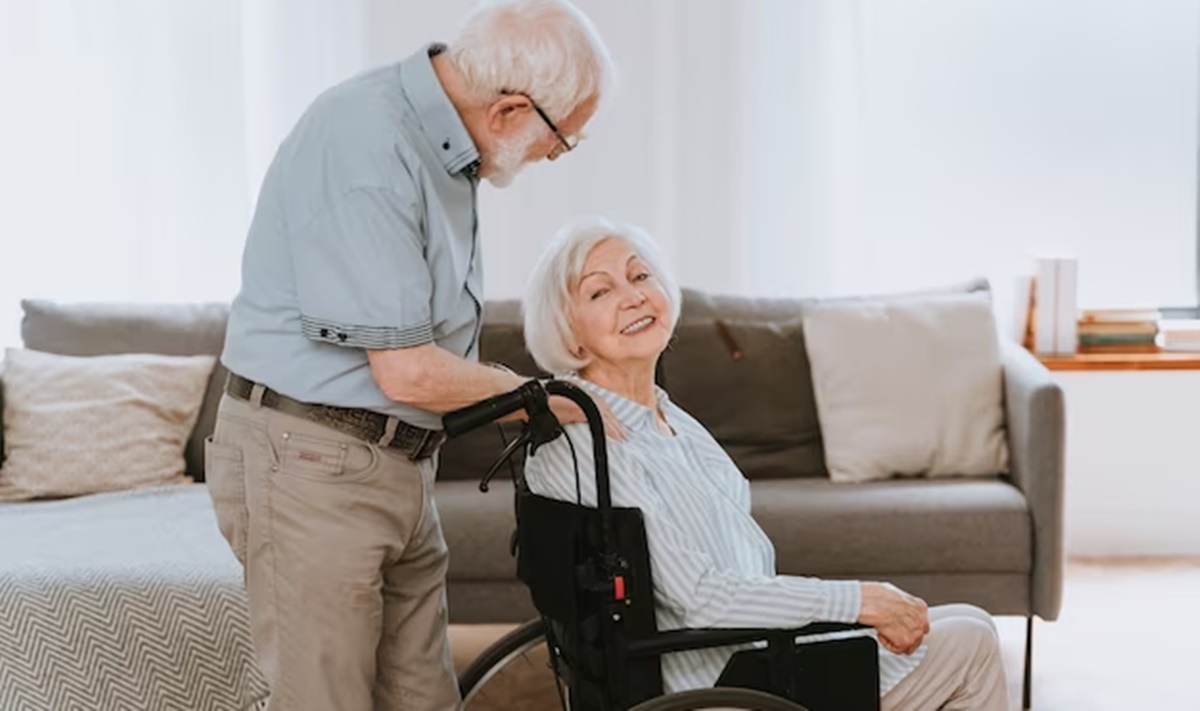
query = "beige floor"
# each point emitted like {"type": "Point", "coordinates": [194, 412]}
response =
{"type": "Point", "coordinates": [1127, 640]}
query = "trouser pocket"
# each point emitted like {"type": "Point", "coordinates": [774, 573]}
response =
{"type": "Point", "coordinates": [225, 475]}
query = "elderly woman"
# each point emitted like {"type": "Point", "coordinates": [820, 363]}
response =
{"type": "Point", "coordinates": [599, 311]}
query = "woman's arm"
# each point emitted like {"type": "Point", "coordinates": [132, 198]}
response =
{"type": "Point", "coordinates": [686, 579]}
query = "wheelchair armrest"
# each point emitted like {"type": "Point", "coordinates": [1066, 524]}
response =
{"type": "Point", "coordinates": [683, 640]}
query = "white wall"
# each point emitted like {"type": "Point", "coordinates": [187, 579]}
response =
{"type": "Point", "coordinates": [1133, 463]}
{"type": "Point", "coordinates": [773, 146]}
{"type": "Point", "coordinates": [998, 129]}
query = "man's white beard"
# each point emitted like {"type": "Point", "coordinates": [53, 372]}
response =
{"type": "Point", "coordinates": [508, 159]}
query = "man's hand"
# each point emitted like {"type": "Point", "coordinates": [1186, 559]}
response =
{"type": "Point", "coordinates": [900, 619]}
{"type": "Point", "coordinates": [568, 413]}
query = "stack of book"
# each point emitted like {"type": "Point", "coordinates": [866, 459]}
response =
{"type": "Point", "coordinates": [1118, 330]}
{"type": "Point", "coordinates": [1180, 334]}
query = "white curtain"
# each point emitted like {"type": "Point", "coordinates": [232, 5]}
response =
{"type": "Point", "coordinates": [121, 151]}
{"type": "Point", "coordinates": [803, 147]}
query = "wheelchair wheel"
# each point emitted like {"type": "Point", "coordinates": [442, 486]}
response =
{"type": "Point", "coordinates": [513, 673]}
{"type": "Point", "coordinates": [718, 698]}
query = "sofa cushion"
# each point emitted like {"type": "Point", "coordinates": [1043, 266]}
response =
{"type": "Point", "coordinates": [1, 414]}
{"type": "Point", "coordinates": [908, 386]}
{"type": "Point", "coordinates": [478, 527]}
{"type": "Point", "coordinates": [85, 329]}
{"type": "Point", "coordinates": [739, 366]}
{"type": "Point", "coordinates": [896, 526]}
{"type": "Point", "coordinates": [82, 425]}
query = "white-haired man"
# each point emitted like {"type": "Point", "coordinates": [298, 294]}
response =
{"type": "Point", "coordinates": [356, 326]}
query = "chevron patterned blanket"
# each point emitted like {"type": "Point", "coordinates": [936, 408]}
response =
{"type": "Point", "coordinates": [129, 600]}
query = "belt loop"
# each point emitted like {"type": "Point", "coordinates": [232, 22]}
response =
{"type": "Point", "coordinates": [418, 452]}
{"type": "Point", "coordinates": [389, 431]}
{"type": "Point", "coordinates": [256, 394]}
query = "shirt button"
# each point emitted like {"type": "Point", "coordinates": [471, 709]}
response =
{"type": "Point", "coordinates": [324, 333]}
{"type": "Point", "coordinates": [446, 146]}
{"type": "Point", "coordinates": [342, 337]}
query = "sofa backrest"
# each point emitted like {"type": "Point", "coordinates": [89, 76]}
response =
{"type": "Point", "coordinates": [739, 365]}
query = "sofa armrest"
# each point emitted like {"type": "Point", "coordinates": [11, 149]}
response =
{"type": "Point", "coordinates": [1036, 423]}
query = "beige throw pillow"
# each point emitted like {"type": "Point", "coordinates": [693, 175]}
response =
{"type": "Point", "coordinates": [908, 386]}
{"type": "Point", "coordinates": [80, 425]}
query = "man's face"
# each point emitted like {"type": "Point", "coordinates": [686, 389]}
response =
{"type": "Point", "coordinates": [525, 137]}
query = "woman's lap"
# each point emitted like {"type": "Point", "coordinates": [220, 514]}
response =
{"type": "Point", "coordinates": [962, 667]}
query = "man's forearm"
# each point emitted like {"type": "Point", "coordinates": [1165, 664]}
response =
{"type": "Point", "coordinates": [433, 379]}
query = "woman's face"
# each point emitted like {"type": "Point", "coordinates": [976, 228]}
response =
{"type": "Point", "coordinates": [620, 314]}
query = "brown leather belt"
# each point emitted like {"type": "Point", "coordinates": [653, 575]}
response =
{"type": "Point", "coordinates": [371, 427]}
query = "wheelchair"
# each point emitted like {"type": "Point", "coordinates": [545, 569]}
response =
{"type": "Point", "coordinates": [596, 643]}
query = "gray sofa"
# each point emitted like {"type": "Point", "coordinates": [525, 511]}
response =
{"type": "Point", "coordinates": [739, 366]}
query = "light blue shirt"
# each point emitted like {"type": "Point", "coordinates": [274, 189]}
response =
{"type": "Point", "coordinates": [713, 566]}
{"type": "Point", "coordinates": [364, 237]}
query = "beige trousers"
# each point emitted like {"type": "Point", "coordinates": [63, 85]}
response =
{"type": "Point", "coordinates": [344, 558]}
{"type": "Point", "coordinates": [962, 669]}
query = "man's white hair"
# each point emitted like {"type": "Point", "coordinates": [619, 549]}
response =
{"type": "Point", "coordinates": [548, 297]}
{"type": "Point", "coordinates": [546, 49]}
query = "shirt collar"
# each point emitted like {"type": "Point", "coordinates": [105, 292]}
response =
{"type": "Point", "coordinates": [632, 415]}
{"type": "Point", "coordinates": [439, 120]}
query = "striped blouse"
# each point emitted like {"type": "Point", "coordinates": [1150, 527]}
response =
{"type": "Point", "coordinates": [713, 565]}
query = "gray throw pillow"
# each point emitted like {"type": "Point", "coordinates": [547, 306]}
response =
{"type": "Point", "coordinates": [739, 366]}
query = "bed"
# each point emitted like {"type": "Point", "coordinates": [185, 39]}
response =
{"type": "Point", "coordinates": [125, 600]}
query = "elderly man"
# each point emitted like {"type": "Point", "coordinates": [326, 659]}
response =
{"type": "Point", "coordinates": [357, 323]}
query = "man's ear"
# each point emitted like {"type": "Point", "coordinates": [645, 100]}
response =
{"type": "Point", "coordinates": [506, 115]}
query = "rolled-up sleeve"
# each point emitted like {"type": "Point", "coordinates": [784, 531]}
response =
{"type": "Point", "coordinates": [361, 276]}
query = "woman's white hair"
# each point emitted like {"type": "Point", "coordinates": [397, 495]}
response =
{"type": "Point", "coordinates": [548, 297]}
{"type": "Point", "coordinates": [546, 49]}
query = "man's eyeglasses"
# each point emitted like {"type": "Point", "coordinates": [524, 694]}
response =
{"type": "Point", "coordinates": [566, 144]}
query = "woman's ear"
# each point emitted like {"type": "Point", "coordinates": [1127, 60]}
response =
{"type": "Point", "coordinates": [506, 115]}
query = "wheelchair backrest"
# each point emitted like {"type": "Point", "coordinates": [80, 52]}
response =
{"type": "Point", "coordinates": [560, 559]}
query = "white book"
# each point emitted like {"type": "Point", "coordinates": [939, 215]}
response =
{"type": "Point", "coordinates": [1045, 310]}
{"type": "Point", "coordinates": [1066, 306]}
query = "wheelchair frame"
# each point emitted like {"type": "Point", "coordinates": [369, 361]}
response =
{"type": "Point", "coordinates": [588, 571]}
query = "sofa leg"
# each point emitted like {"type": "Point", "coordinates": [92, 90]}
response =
{"type": "Point", "coordinates": [1027, 690]}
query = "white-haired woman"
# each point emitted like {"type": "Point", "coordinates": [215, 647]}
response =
{"type": "Point", "coordinates": [599, 310]}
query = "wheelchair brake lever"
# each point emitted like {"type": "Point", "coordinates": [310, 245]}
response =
{"type": "Point", "coordinates": [511, 449]}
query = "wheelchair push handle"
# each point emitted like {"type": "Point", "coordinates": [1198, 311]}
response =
{"type": "Point", "coordinates": [484, 412]}
{"type": "Point", "coordinates": [543, 427]}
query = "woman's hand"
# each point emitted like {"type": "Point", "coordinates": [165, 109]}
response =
{"type": "Point", "coordinates": [568, 412]}
{"type": "Point", "coordinates": [900, 619]}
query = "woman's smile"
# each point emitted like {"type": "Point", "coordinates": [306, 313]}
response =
{"type": "Point", "coordinates": [639, 325]}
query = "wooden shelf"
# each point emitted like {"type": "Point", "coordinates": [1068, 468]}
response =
{"type": "Point", "coordinates": [1159, 360]}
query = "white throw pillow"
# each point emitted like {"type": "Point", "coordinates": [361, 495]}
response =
{"type": "Point", "coordinates": [80, 425]}
{"type": "Point", "coordinates": [908, 386]}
